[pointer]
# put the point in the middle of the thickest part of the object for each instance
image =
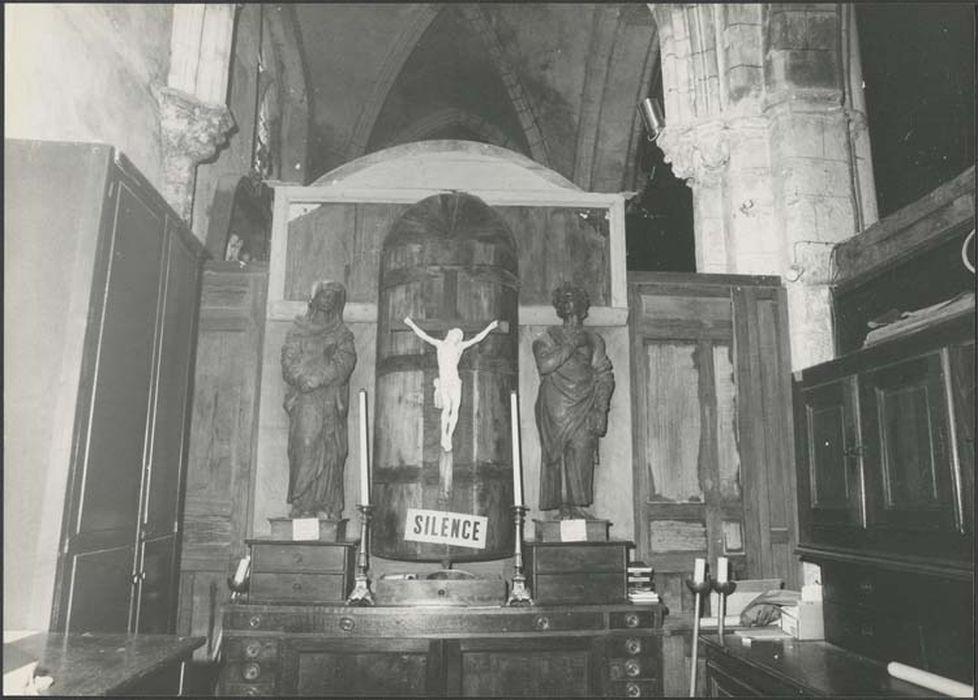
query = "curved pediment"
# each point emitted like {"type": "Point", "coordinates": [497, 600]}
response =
{"type": "Point", "coordinates": [447, 165]}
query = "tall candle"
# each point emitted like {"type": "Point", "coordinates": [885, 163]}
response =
{"type": "Point", "coordinates": [514, 411]}
{"type": "Point", "coordinates": [722, 569]}
{"type": "Point", "coordinates": [364, 468]}
{"type": "Point", "coordinates": [699, 571]}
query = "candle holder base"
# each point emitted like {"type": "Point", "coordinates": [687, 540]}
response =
{"type": "Point", "coordinates": [723, 589]}
{"type": "Point", "coordinates": [519, 592]}
{"type": "Point", "coordinates": [361, 595]}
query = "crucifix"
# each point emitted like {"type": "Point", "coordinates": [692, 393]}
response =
{"type": "Point", "coordinates": [448, 384]}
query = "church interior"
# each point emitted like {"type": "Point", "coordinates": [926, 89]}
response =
{"type": "Point", "coordinates": [489, 349]}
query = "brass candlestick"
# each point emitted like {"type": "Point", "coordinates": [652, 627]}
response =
{"type": "Point", "coordinates": [698, 588]}
{"type": "Point", "coordinates": [361, 593]}
{"type": "Point", "coordinates": [723, 590]}
{"type": "Point", "coordinates": [519, 592]}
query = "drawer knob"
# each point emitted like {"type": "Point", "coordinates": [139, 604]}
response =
{"type": "Point", "coordinates": [866, 587]}
{"type": "Point", "coordinates": [632, 668]}
{"type": "Point", "coordinates": [296, 586]}
{"type": "Point", "coordinates": [347, 624]}
{"type": "Point", "coordinates": [543, 623]}
{"type": "Point", "coordinates": [251, 672]}
{"type": "Point", "coordinates": [633, 646]}
{"type": "Point", "coordinates": [252, 650]}
{"type": "Point", "coordinates": [298, 558]}
{"type": "Point", "coordinates": [632, 690]}
{"type": "Point", "coordinates": [866, 629]}
{"type": "Point", "coordinates": [255, 621]}
{"type": "Point", "coordinates": [251, 691]}
{"type": "Point", "coordinates": [631, 620]}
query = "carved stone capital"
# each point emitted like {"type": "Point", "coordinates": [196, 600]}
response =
{"type": "Point", "coordinates": [192, 131]}
{"type": "Point", "coordinates": [698, 153]}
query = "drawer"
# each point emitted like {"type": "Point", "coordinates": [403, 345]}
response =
{"type": "Point", "coordinates": [852, 585]}
{"type": "Point", "coordinates": [250, 672]}
{"type": "Point", "coordinates": [632, 668]}
{"type": "Point", "coordinates": [634, 689]}
{"type": "Point", "coordinates": [592, 588]}
{"type": "Point", "coordinates": [735, 679]}
{"type": "Point", "coordinates": [881, 636]}
{"type": "Point", "coordinates": [632, 620]}
{"type": "Point", "coordinates": [298, 557]}
{"type": "Point", "coordinates": [578, 559]}
{"type": "Point", "coordinates": [624, 646]}
{"type": "Point", "coordinates": [253, 649]}
{"type": "Point", "coordinates": [248, 690]}
{"type": "Point", "coordinates": [299, 588]}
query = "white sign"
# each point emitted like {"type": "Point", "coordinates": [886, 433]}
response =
{"type": "Point", "coordinates": [305, 529]}
{"type": "Point", "coordinates": [573, 530]}
{"type": "Point", "coordinates": [441, 527]}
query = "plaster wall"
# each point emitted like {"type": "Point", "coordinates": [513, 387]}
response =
{"type": "Point", "coordinates": [83, 72]}
{"type": "Point", "coordinates": [612, 499]}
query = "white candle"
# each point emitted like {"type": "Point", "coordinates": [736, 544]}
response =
{"type": "Point", "coordinates": [514, 411]}
{"type": "Point", "coordinates": [364, 468]}
{"type": "Point", "coordinates": [242, 571]}
{"type": "Point", "coordinates": [699, 570]}
{"type": "Point", "coordinates": [722, 569]}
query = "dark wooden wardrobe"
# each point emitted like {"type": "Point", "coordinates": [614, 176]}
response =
{"type": "Point", "coordinates": [120, 543]}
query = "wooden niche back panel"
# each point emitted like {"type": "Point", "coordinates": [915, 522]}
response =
{"type": "Point", "coordinates": [342, 242]}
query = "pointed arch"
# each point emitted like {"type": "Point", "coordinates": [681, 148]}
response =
{"type": "Point", "coordinates": [399, 52]}
{"type": "Point", "coordinates": [482, 27]}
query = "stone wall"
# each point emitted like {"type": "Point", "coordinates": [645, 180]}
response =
{"type": "Point", "coordinates": [764, 122]}
{"type": "Point", "coordinates": [83, 72]}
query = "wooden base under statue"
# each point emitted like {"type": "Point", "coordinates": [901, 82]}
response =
{"type": "Point", "coordinates": [579, 530]}
{"type": "Point", "coordinates": [578, 572]}
{"type": "Point", "coordinates": [308, 529]}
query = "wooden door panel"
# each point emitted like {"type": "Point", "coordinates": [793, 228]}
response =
{"type": "Point", "coordinates": [156, 590]}
{"type": "Point", "coordinates": [908, 460]}
{"type": "Point", "coordinates": [101, 591]}
{"type": "Point", "coordinates": [557, 667]}
{"type": "Point", "coordinates": [171, 415]}
{"type": "Point", "coordinates": [117, 432]}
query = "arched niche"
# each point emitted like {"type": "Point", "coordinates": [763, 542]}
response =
{"type": "Point", "coordinates": [334, 228]}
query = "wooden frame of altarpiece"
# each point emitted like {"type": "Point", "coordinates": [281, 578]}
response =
{"type": "Point", "coordinates": [408, 173]}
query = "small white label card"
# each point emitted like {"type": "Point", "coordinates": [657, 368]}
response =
{"type": "Point", "coordinates": [305, 529]}
{"type": "Point", "coordinates": [442, 527]}
{"type": "Point", "coordinates": [573, 530]}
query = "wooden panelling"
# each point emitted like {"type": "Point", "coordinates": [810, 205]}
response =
{"type": "Point", "coordinates": [342, 242]}
{"type": "Point", "coordinates": [217, 512]}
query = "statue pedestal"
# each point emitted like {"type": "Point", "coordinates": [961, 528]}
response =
{"type": "Point", "coordinates": [577, 530]}
{"type": "Point", "coordinates": [306, 529]}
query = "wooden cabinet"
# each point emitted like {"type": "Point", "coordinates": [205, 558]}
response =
{"type": "Point", "coordinates": [789, 668]}
{"type": "Point", "coordinates": [885, 495]}
{"type": "Point", "coordinates": [140, 264]}
{"type": "Point", "coordinates": [330, 651]}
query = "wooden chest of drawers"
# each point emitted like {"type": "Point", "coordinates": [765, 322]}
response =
{"type": "Point", "coordinates": [335, 650]}
{"type": "Point", "coordinates": [301, 572]}
{"type": "Point", "coordinates": [577, 572]}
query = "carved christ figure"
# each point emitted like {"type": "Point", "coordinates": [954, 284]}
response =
{"type": "Point", "coordinates": [448, 384]}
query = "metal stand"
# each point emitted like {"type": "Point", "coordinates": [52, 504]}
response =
{"type": "Point", "coordinates": [698, 590]}
{"type": "Point", "coordinates": [361, 594]}
{"type": "Point", "coordinates": [723, 590]}
{"type": "Point", "coordinates": [519, 592]}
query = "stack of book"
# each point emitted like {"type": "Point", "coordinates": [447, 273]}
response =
{"type": "Point", "coordinates": [640, 588]}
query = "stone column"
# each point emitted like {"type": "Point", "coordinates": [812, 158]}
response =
{"type": "Point", "coordinates": [760, 120]}
{"type": "Point", "coordinates": [194, 119]}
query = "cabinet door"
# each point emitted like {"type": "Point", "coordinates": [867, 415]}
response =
{"type": "Point", "coordinates": [164, 471]}
{"type": "Point", "coordinates": [104, 508]}
{"type": "Point", "coordinates": [357, 668]}
{"type": "Point", "coordinates": [907, 452]}
{"type": "Point", "coordinates": [552, 666]}
{"type": "Point", "coordinates": [829, 474]}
